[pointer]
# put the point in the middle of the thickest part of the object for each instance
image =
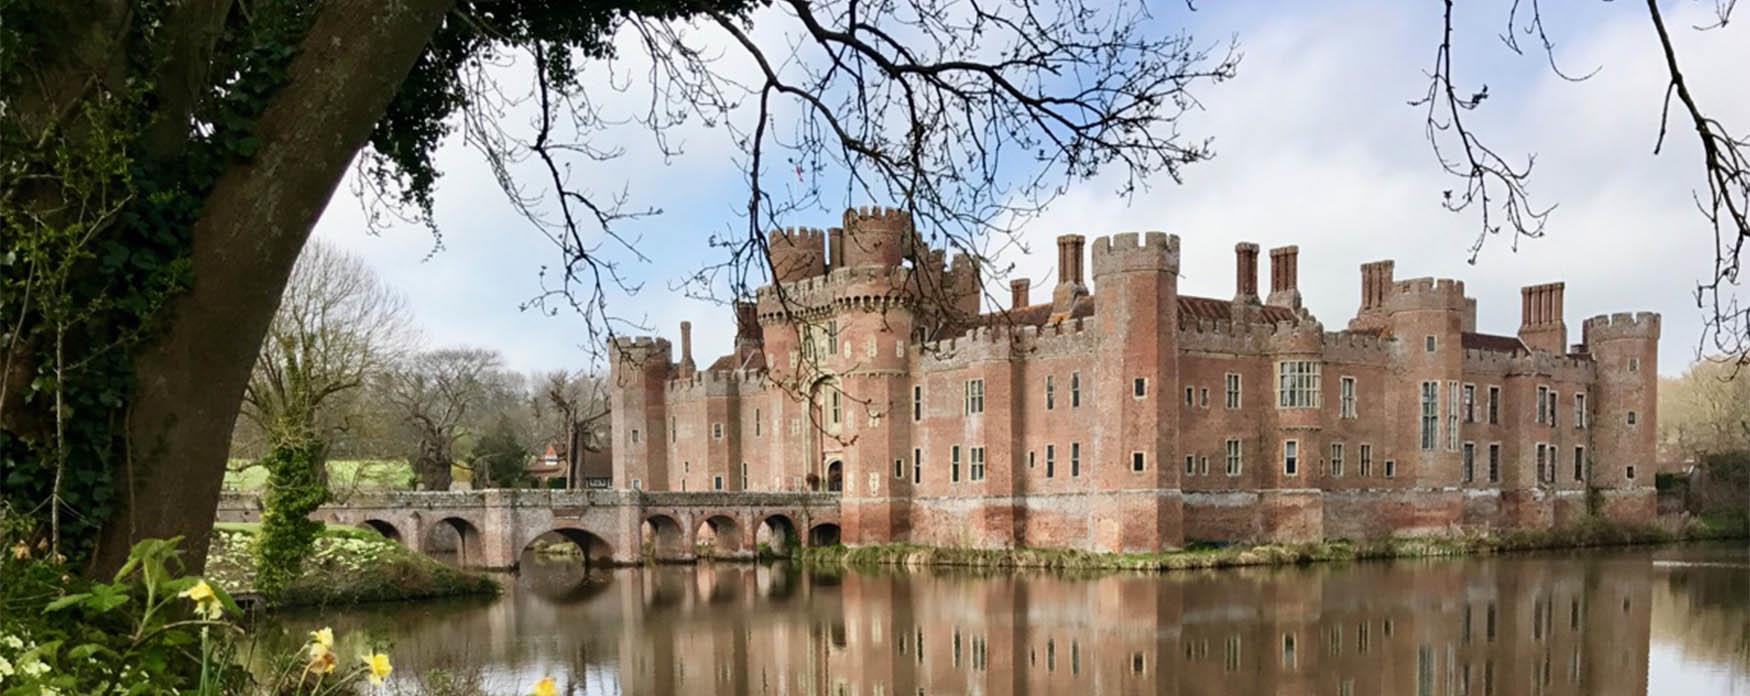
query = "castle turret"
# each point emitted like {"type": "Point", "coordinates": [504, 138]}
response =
{"type": "Point", "coordinates": [1137, 278]}
{"type": "Point", "coordinates": [1427, 316]}
{"type": "Point", "coordinates": [876, 237]}
{"type": "Point", "coordinates": [797, 254]}
{"type": "Point", "coordinates": [1540, 318]}
{"type": "Point", "coordinates": [1624, 412]}
{"type": "Point", "coordinates": [639, 372]}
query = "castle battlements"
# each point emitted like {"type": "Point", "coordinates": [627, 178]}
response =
{"type": "Point", "coordinates": [1130, 251]}
{"type": "Point", "coordinates": [1426, 293]}
{"type": "Point", "coordinates": [1606, 327]}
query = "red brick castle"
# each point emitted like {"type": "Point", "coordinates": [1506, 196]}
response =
{"type": "Point", "coordinates": [1127, 416]}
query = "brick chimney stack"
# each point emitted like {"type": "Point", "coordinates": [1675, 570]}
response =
{"type": "Point", "coordinates": [1246, 272]}
{"type": "Point", "coordinates": [1071, 284]}
{"type": "Point", "coordinates": [748, 335]}
{"type": "Point", "coordinates": [1540, 318]}
{"type": "Point", "coordinates": [1284, 273]}
{"type": "Point", "coordinates": [1376, 283]}
{"type": "Point", "coordinates": [1018, 292]}
{"type": "Point", "coordinates": [687, 366]}
{"type": "Point", "coordinates": [835, 242]}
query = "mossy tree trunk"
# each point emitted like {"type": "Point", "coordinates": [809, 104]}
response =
{"type": "Point", "coordinates": [189, 381]}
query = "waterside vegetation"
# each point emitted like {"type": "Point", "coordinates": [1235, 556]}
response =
{"type": "Point", "coordinates": [347, 566]}
{"type": "Point", "coordinates": [1590, 533]}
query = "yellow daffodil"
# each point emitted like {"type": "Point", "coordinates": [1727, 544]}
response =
{"type": "Point", "coordinates": [206, 602]}
{"type": "Point", "coordinates": [324, 637]}
{"type": "Point", "coordinates": [201, 592]}
{"type": "Point", "coordinates": [321, 652]}
{"type": "Point", "coordinates": [380, 667]}
{"type": "Point", "coordinates": [545, 687]}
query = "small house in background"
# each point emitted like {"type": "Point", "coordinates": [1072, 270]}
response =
{"type": "Point", "coordinates": [593, 464]}
{"type": "Point", "coordinates": [547, 466]}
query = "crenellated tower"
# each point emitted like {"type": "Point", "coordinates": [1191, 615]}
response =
{"type": "Point", "coordinates": [1137, 280]}
{"type": "Point", "coordinates": [1624, 412]}
{"type": "Point", "coordinates": [1427, 316]}
{"type": "Point", "coordinates": [638, 374]}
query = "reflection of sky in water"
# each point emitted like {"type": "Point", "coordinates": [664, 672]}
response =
{"type": "Point", "coordinates": [1639, 621]}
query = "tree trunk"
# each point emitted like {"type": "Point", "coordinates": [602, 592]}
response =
{"type": "Point", "coordinates": [254, 223]}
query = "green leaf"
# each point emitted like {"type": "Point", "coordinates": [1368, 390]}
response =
{"type": "Point", "coordinates": [66, 601]}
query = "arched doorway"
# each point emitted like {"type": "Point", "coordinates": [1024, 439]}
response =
{"type": "Point", "coordinates": [719, 536]}
{"type": "Point", "coordinates": [388, 531]}
{"type": "Point", "coordinates": [776, 537]}
{"type": "Point", "coordinates": [664, 539]}
{"type": "Point", "coordinates": [826, 534]}
{"type": "Point", "coordinates": [835, 476]}
{"type": "Point", "coordinates": [454, 540]}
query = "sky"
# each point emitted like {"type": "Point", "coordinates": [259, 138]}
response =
{"type": "Point", "coordinates": [1315, 146]}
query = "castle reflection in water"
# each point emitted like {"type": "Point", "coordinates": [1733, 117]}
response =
{"type": "Point", "coordinates": [1578, 624]}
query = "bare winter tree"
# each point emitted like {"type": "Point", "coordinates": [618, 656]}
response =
{"type": "Point", "coordinates": [570, 408]}
{"type": "Point", "coordinates": [434, 394]}
{"type": "Point", "coordinates": [1497, 189]}
{"type": "Point", "coordinates": [337, 324]}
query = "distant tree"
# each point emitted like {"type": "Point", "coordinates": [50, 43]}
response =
{"type": "Point", "coordinates": [1706, 409]}
{"type": "Point", "coordinates": [337, 324]}
{"type": "Point", "coordinates": [434, 394]}
{"type": "Point", "coordinates": [500, 456]}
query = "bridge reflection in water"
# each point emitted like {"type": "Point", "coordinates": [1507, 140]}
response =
{"type": "Point", "coordinates": [1630, 622]}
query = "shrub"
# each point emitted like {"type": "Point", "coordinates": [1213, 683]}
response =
{"type": "Point", "coordinates": [295, 489]}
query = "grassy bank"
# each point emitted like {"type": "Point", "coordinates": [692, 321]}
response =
{"type": "Point", "coordinates": [343, 475]}
{"type": "Point", "coordinates": [1589, 534]}
{"type": "Point", "coordinates": [349, 566]}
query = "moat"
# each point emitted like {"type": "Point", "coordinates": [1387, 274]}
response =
{"type": "Point", "coordinates": [1671, 620]}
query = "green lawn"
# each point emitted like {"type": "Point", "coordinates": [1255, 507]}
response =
{"type": "Point", "coordinates": [344, 474]}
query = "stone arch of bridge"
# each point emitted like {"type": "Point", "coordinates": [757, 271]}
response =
{"type": "Point", "coordinates": [454, 535]}
{"type": "Point", "coordinates": [720, 535]}
{"type": "Point", "coordinates": [824, 534]}
{"type": "Point", "coordinates": [383, 527]}
{"type": "Point", "coordinates": [596, 549]}
{"type": "Point", "coordinates": [778, 532]}
{"type": "Point", "coordinates": [666, 537]}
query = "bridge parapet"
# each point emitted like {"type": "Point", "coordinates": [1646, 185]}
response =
{"type": "Point", "coordinates": [491, 527]}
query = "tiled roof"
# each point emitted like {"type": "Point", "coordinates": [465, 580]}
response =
{"type": "Point", "coordinates": [756, 361]}
{"type": "Point", "coordinates": [1493, 342]}
{"type": "Point", "coordinates": [1210, 308]}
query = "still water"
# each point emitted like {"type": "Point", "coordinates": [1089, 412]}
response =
{"type": "Point", "coordinates": [1646, 621]}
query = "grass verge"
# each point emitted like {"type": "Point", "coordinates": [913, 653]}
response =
{"type": "Point", "coordinates": [349, 566]}
{"type": "Point", "coordinates": [1588, 534]}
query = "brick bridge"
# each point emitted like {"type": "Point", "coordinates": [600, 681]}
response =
{"type": "Point", "coordinates": [491, 528]}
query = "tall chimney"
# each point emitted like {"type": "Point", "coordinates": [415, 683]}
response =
{"type": "Point", "coordinates": [1018, 292]}
{"type": "Point", "coordinates": [687, 366]}
{"type": "Point", "coordinates": [1246, 272]}
{"type": "Point", "coordinates": [1284, 269]}
{"type": "Point", "coordinates": [1541, 326]}
{"type": "Point", "coordinates": [748, 335]}
{"type": "Point", "coordinates": [1070, 283]}
{"type": "Point", "coordinates": [1376, 280]}
{"type": "Point", "coordinates": [835, 243]}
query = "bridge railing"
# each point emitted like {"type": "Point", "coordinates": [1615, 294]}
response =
{"type": "Point", "coordinates": [535, 497]}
